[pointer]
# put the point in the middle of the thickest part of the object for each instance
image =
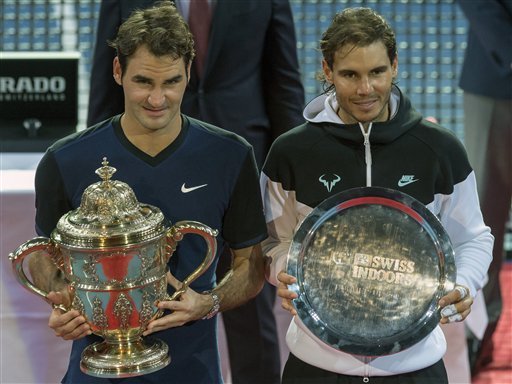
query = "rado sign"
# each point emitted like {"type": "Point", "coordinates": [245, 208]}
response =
{"type": "Point", "coordinates": [38, 98]}
{"type": "Point", "coordinates": [10, 86]}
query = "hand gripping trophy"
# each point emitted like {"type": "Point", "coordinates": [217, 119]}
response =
{"type": "Point", "coordinates": [113, 252]}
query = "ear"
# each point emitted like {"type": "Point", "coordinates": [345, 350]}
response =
{"type": "Point", "coordinates": [394, 67]}
{"type": "Point", "coordinates": [116, 69]}
{"type": "Point", "coordinates": [327, 71]}
{"type": "Point", "coordinates": [188, 69]}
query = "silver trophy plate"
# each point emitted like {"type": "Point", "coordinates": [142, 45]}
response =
{"type": "Point", "coordinates": [371, 265]}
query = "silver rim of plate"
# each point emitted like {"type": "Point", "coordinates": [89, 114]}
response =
{"type": "Point", "coordinates": [371, 265]}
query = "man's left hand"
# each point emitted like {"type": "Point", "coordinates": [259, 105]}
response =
{"type": "Point", "coordinates": [189, 306]}
{"type": "Point", "coordinates": [456, 305]}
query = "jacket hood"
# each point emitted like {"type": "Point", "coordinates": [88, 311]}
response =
{"type": "Point", "coordinates": [322, 110]}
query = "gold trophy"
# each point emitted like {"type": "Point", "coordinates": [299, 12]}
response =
{"type": "Point", "coordinates": [113, 253]}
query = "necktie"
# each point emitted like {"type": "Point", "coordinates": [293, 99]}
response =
{"type": "Point", "coordinates": [199, 22]}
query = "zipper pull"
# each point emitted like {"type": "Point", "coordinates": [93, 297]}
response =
{"type": "Point", "coordinates": [366, 377]}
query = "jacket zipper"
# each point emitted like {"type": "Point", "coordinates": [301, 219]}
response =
{"type": "Point", "coordinates": [366, 377]}
{"type": "Point", "coordinates": [368, 161]}
{"type": "Point", "coordinates": [367, 153]}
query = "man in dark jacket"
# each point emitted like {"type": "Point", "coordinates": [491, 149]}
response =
{"type": "Point", "coordinates": [364, 132]}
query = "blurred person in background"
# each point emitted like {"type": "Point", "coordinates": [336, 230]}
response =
{"type": "Point", "coordinates": [486, 80]}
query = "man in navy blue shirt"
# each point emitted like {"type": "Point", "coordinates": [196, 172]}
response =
{"type": "Point", "coordinates": [191, 170]}
{"type": "Point", "coordinates": [250, 84]}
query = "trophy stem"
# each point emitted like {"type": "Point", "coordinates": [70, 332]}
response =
{"type": "Point", "coordinates": [125, 358]}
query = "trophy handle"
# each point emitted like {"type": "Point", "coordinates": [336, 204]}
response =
{"type": "Point", "coordinates": [47, 248]}
{"type": "Point", "coordinates": [194, 227]}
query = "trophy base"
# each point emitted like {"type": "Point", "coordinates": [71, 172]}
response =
{"type": "Point", "coordinates": [117, 360]}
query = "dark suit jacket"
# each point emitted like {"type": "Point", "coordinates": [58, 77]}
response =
{"type": "Point", "coordinates": [487, 68]}
{"type": "Point", "coordinates": [251, 85]}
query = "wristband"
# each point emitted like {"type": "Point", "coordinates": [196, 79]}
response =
{"type": "Point", "coordinates": [216, 305]}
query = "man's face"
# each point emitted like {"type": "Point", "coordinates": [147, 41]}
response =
{"type": "Point", "coordinates": [153, 90]}
{"type": "Point", "coordinates": [362, 78]}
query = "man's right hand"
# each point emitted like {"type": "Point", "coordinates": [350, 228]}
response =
{"type": "Point", "coordinates": [284, 293]}
{"type": "Point", "coordinates": [69, 325]}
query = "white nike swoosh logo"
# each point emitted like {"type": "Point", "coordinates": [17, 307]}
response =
{"type": "Point", "coordinates": [404, 183]}
{"type": "Point", "coordinates": [187, 190]}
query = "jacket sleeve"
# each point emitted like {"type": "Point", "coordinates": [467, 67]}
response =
{"type": "Point", "coordinates": [283, 214]}
{"type": "Point", "coordinates": [472, 240]}
{"type": "Point", "coordinates": [281, 223]}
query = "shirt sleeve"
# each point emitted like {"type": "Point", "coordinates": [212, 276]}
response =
{"type": "Point", "coordinates": [244, 222]}
{"type": "Point", "coordinates": [51, 200]}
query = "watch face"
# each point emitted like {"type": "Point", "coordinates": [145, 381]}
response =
{"type": "Point", "coordinates": [371, 265]}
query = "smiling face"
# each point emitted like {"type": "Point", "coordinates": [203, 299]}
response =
{"type": "Point", "coordinates": [362, 78]}
{"type": "Point", "coordinates": [153, 91]}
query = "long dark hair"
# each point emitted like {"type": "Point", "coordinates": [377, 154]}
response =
{"type": "Point", "coordinates": [358, 27]}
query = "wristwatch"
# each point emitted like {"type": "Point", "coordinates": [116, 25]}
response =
{"type": "Point", "coordinates": [216, 305]}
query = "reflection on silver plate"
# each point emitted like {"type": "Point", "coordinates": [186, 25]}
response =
{"type": "Point", "coordinates": [371, 264]}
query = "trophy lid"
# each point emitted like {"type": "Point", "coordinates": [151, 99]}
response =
{"type": "Point", "coordinates": [109, 215]}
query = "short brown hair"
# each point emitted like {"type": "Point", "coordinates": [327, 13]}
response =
{"type": "Point", "coordinates": [160, 28]}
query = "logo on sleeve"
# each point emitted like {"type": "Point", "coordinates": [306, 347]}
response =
{"type": "Point", "coordinates": [406, 180]}
{"type": "Point", "coordinates": [329, 181]}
